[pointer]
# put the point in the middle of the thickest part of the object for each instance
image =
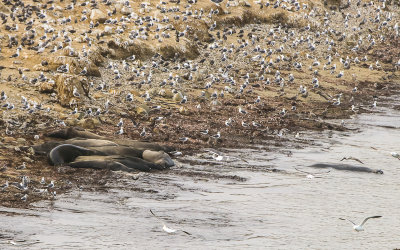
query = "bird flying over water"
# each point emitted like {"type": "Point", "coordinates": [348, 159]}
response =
{"type": "Point", "coordinates": [165, 227]}
{"type": "Point", "coordinates": [360, 228]}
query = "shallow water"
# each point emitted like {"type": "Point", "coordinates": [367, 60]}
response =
{"type": "Point", "coordinates": [275, 210]}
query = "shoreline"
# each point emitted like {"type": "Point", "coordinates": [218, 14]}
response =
{"type": "Point", "coordinates": [173, 71]}
{"type": "Point", "coordinates": [69, 179]}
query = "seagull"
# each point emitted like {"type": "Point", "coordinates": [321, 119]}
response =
{"type": "Point", "coordinates": [75, 92]}
{"type": "Point", "coordinates": [51, 185]}
{"type": "Point", "coordinates": [75, 111]}
{"type": "Point", "coordinates": [184, 99]}
{"type": "Point", "coordinates": [183, 139]}
{"type": "Point", "coordinates": [395, 155]}
{"type": "Point", "coordinates": [257, 125]}
{"type": "Point", "coordinates": [217, 1]}
{"type": "Point", "coordinates": [120, 123]}
{"type": "Point", "coordinates": [84, 71]}
{"type": "Point", "coordinates": [359, 228]}
{"type": "Point", "coordinates": [166, 228]}
{"type": "Point", "coordinates": [217, 136]}
{"type": "Point", "coordinates": [121, 131]}
{"type": "Point", "coordinates": [352, 158]}
{"type": "Point", "coordinates": [43, 182]}
{"type": "Point", "coordinates": [242, 111]}
{"type": "Point", "coordinates": [24, 198]}
{"type": "Point", "coordinates": [23, 166]}
{"type": "Point", "coordinates": [4, 186]}
{"type": "Point", "coordinates": [176, 153]}
{"type": "Point", "coordinates": [228, 122]}
{"type": "Point", "coordinates": [244, 124]}
{"type": "Point", "coordinates": [204, 132]}
{"type": "Point", "coordinates": [217, 157]}
{"type": "Point", "coordinates": [143, 133]}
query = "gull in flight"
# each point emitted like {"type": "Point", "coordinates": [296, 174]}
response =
{"type": "Point", "coordinates": [166, 228]}
{"type": "Point", "coordinates": [352, 158]}
{"type": "Point", "coordinates": [359, 228]}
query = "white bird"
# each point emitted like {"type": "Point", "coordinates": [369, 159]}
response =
{"type": "Point", "coordinates": [242, 111]}
{"type": "Point", "coordinates": [166, 228]}
{"type": "Point", "coordinates": [359, 228]}
{"type": "Point", "coordinates": [228, 122]}
{"type": "Point", "coordinates": [217, 136]}
{"type": "Point", "coordinates": [204, 132]}
{"type": "Point", "coordinates": [143, 133]}
{"type": "Point", "coordinates": [4, 186]}
{"type": "Point", "coordinates": [120, 123]}
{"type": "Point", "coordinates": [75, 92]}
{"type": "Point", "coordinates": [51, 185]}
{"type": "Point", "coordinates": [42, 181]}
{"type": "Point", "coordinates": [184, 139]}
{"type": "Point", "coordinates": [176, 153]}
{"type": "Point", "coordinates": [217, 157]}
{"type": "Point", "coordinates": [24, 198]}
{"type": "Point", "coordinates": [121, 131]}
{"type": "Point", "coordinates": [395, 155]}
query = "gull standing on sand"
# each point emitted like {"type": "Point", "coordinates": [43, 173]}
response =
{"type": "Point", "coordinates": [51, 185]}
{"type": "Point", "coordinates": [120, 123]}
{"type": "Point", "coordinates": [75, 92]}
{"type": "Point", "coordinates": [4, 186]}
{"type": "Point", "coordinates": [121, 131]}
{"type": "Point", "coordinates": [242, 111]}
{"type": "Point", "coordinates": [360, 228]}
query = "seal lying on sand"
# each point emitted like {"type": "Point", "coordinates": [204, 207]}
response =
{"type": "Point", "coordinates": [69, 133]}
{"type": "Point", "coordinates": [66, 153]}
{"type": "Point", "coordinates": [80, 135]}
{"type": "Point", "coordinates": [347, 168]}
{"type": "Point", "coordinates": [114, 162]}
{"type": "Point", "coordinates": [100, 153]}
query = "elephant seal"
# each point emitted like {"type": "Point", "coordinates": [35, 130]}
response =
{"type": "Point", "coordinates": [70, 133]}
{"type": "Point", "coordinates": [347, 168]}
{"type": "Point", "coordinates": [66, 153]}
{"type": "Point", "coordinates": [83, 142]}
{"type": "Point", "coordinates": [114, 162]}
{"type": "Point", "coordinates": [158, 157]}
{"type": "Point", "coordinates": [45, 148]}
{"type": "Point", "coordinates": [83, 149]}
{"type": "Point", "coordinates": [143, 145]}
{"type": "Point", "coordinates": [119, 150]}
{"type": "Point", "coordinates": [100, 164]}
{"type": "Point", "coordinates": [79, 134]}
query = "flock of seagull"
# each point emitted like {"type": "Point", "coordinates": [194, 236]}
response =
{"type": "Point", "coordinates": [239, 62]}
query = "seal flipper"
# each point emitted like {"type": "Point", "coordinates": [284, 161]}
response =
{"type": "Point", "coordinates": [137, 163]}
